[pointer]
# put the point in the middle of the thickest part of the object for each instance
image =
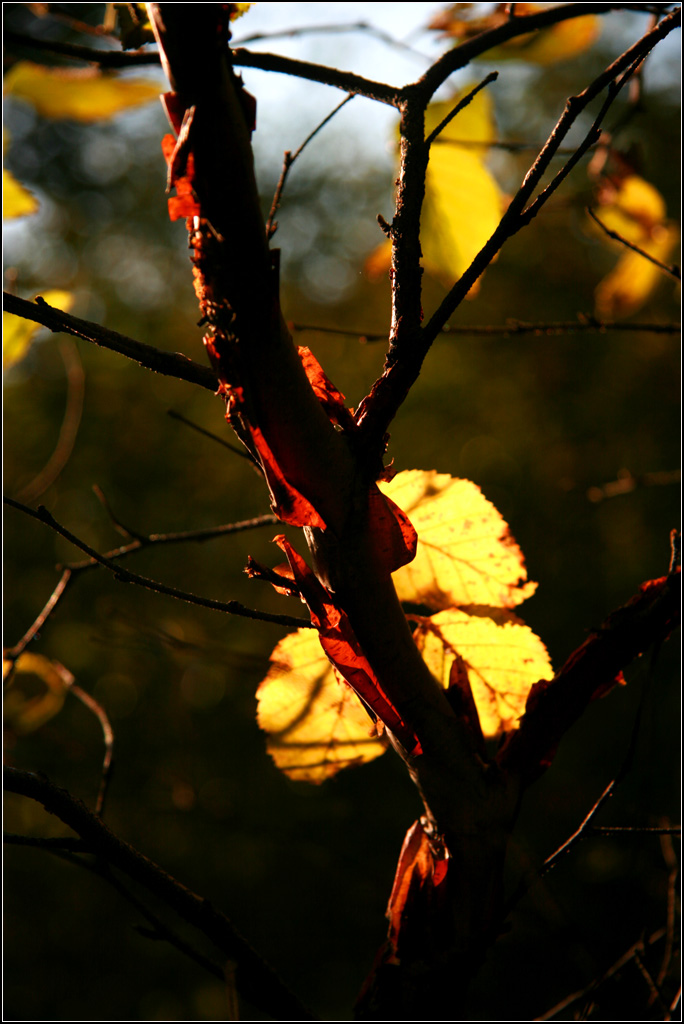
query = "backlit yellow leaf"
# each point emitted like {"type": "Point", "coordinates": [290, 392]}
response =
{"type": "Point", "coordinates": [632, 207]}
{"type": "Point", "coordinates": [18, 333]}
{"type": "Point", "coordinates": [463, 203]}
{"type": "Point", "coordinates": [466, 554]}
{"type": "Point", "coordinates": [17, 201]}
{"type": "Point", "coordinates": [81, 94]}
{"type": "Point", "coordinates": [316, 725]}
{"type": "Point", "coordinates": [502, 656]}
{"type": "Point", "coordinates": [630, 284]}
{"type": "Point", "coordinates": [635, 210]}
{"type": "Point", "coordinates": [24, 711]}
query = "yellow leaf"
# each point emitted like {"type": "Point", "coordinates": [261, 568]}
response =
{"type": "Point", "coordinates": [316, 725]}
{"type": "Point", "coordinates": [558, 42]}
{"type": "Point", "coordinates": [17, 201]}
{"type": "Point", "coordinates": [18, 333]}
{"type": "Point", "coordinates": [635, 210]}
{"type": "Point", "coordinates": [82, 94]}
{"type": "Point", "coordinates": [502, 656]}
{"type": "Point", "coordinates": [466, 554]}
{"type": "Point", "coordinates": [463, 203]}
{"type": "Point", "coordinates": [543, 46]}
{"type": "Point", "coordinates": [633, 207]}
{"type": "Point", "coordinates": [24, 712]}
{"type": "Point", "coordinates": [632, 281]}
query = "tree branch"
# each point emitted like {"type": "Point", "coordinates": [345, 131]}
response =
{"type": "Point", "coordinates": [409, 343]}
{"type": "Point", "coordinates": [255, 980]}
{"type": "Point", "coordinates": [171, 364]}
{"type": "Point", "coordinates": [553, 706]}
{"type": "Point", "coordinates": [125, 576]}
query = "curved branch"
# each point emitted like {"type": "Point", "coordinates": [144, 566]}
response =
{"type": "Point", "coordinates": [171, 364]}
{"type": "Point", "coordinates": [255, 979]}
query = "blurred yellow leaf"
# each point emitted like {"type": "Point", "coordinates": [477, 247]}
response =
{"type": "Point", "coordinates": [463, 203]}
{"type": "Point", "coordinates": [502, 656]}
{"type": "Point", "coordinates": [632, 207]}
{"type": "Point", "coordinates": [466, 554]}
{"type": "Point", "coordinates": [632, 281]}
{"type": "Point", "coordinates": [18, 333]}
{"type": "Point", "coordinates": [17, 201]}
{"type": "Point", "coordinates": [26, 712]}
{"type": "Point", "coordinates": [635, 210]}
{"type": "Point", "coordinates": [544, 46]}
{"type": "Point", "coordinates": [82, 94]}
{"type": "Point", "coordinates": [316, 724]}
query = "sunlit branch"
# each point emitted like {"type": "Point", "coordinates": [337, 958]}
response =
{"type": "Point", "coordinates": [108, 737]}
{"type": "Point", "coordinates": [255, 979]}
{"type": "Point", "coordinates": [125, 576]}
{"type": "Point", "coordinates": [672, 270]}
{"type": "Point", "coordinates": [13, 653]}
{"type": "Point", "coordinates": [171, 364]}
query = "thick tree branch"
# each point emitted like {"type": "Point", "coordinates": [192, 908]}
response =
{"type": "Point", "coordinates": [256, 981]}
{"type": "Point", "coordinates": [171, 364]}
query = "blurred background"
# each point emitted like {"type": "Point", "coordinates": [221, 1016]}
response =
{"type": "Point", "coordinates": [574, 437]}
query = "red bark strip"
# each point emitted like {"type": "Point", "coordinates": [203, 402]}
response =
{"type": "Point", "coordinates": [343, 649]}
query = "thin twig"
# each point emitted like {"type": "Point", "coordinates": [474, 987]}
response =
{"type": "Point", "coordinates": [658, 830]}
{"type": "Point", "coordinates": [462, 103]}
{"type": "Point", "coordinates": [585, 324]}
{"type": "Point", "coordinates": [288, 160]}
{"type": "Point", "coordinates": [667, 847]}
{"type": "Point", "coordinates": [75, 378]}
{"type": "Point", "coordinates": [207, 433]}
{"type": "Point", "coordinates": [182, 537]}
{"type": "Point", "coordinates": [626, 957]}
{"type": "Point", "coordinates": [108, 737]}
{"type": "Point", "coordinates": [171, 364]}
{"type": "Point", "coordinates": [125, 576]}
{"type": "Point", "coordinates": [13, 653]}
{"type": "Point", "coordinates": [358, 26]}
{"type": "Point", "coordinates": [672, 269]}
{"type": "Point", "coordinates": [569, 843]}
